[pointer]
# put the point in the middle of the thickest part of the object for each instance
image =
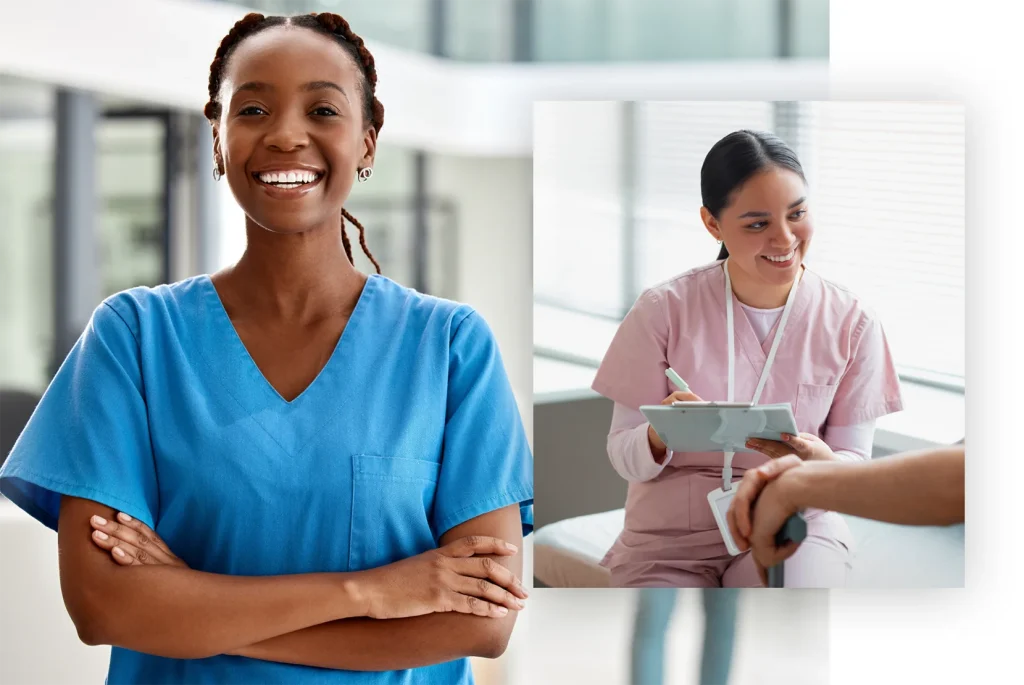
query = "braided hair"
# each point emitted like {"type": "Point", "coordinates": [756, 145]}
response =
{"type": "Point", "coordinates": [329, 25]}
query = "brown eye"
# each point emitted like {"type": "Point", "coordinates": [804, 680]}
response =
{"type": "Point", "coordinates": [251, 110]}
{"type": "Point", "coordinates": [325, 112]}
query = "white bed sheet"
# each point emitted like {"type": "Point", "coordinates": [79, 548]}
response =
{"type": "Point", "coordinates": [567, 553]}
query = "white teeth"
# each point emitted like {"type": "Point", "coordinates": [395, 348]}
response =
{"type": "Point", "coordinates": [783, 258]}
{"type": "Point", "coordinates": [288, 177]}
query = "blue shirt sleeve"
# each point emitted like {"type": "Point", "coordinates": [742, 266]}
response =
{"type": "Point", "coordinates": [486, 462]}
{"type": "Point", "coordinates": [89, 435]}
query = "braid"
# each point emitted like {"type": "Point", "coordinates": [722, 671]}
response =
{"type": "Point", "coordinates": [373, 110]}
{"type": "Point", "coordinates": [362, 236]}
{"type": "Point", "coordinates": [243, 28]}
{"type": "Point", "coordinates": [345, 243]}
{"type": "Point", "coordinates": [325, 23]}
{"type": "Point", "coordinates": [338, 26]}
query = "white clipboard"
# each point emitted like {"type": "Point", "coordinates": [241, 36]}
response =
{"type": "Point", "coordinates": [718, 426]}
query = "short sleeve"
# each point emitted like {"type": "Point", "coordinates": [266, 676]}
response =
{"type": "Point", "coordinates": [870, 387]}
{"type": "Point", "coordinates": [486, 463]}
{"type": "Point", "coordinates": [632, 372]}
{"type": "Point", "coordinates": [89, 435]}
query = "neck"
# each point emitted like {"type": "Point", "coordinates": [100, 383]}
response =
{"type": "Point", "coordinates": [303, 276]}
{"type": "Point", "coordinates": [755, 293]}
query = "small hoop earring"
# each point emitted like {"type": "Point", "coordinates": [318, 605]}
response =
{"type": "Point", "coordinates": [217, 173]}
{"type": "Point", "coordinates": [365, 173]}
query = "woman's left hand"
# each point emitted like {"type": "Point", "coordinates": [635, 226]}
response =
{"type": "Point", "coordinates": [806, 446]}
{"type": "Point", "coordinates": [132, 543]}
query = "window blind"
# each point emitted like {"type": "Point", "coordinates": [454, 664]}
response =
{"type": "Point", "coordinates": [672, 140]}
{"type": "Point", "coordinates": [887, 193]}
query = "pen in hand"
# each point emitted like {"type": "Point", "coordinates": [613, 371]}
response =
{"type": "Point", "coordinates": [677, 380]}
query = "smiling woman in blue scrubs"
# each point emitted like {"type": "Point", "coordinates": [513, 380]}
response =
{"type": "Point", "coordinates": [287, 471]}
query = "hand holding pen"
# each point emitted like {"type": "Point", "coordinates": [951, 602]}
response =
{"type": "Point", "coordinates": [658, 447]}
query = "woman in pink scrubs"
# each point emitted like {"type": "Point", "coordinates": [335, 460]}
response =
{"type": "Point", "coordinates": [755, 325]}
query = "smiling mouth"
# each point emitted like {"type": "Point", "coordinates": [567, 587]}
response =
{"type": "Point", "coordinates": [783, 258]}
{"type": "Point", "coordinates": [288, 180]}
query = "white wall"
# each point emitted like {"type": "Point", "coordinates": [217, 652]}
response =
{"type": "Point", "coordinates": [38, 641]}
{"type": "Point", "coordinates": [495, 254]}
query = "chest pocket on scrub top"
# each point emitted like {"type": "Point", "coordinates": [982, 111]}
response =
{"type": "Point", "coordinates": [813, 403]}
{"type": "Point", "coordinates": [391, 503]}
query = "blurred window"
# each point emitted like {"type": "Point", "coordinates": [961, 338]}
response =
{"type": "Point", "coordinates": [27, 132]}
{"type": "Point", "coordinates": [583, 30]}
{"type": "Point", "coordinates": [130, 183]}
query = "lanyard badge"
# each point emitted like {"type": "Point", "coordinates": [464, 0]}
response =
{"type": "Point", "coordinates": [720, 498]}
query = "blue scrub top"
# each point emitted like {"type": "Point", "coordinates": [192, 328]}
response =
{"type": "Point", "coordinates": [410, 429]}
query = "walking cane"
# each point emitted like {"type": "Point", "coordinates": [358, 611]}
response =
{"type": "Point", "coordinates": [793, 530]}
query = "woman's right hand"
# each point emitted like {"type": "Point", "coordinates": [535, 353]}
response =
{"type": "Point", "coordinates": [455, 577]}
{"type": "Point", "coordinates": [657, 446]}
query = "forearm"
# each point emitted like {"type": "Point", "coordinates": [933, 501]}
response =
{"type": "Point", "coordinates": [918, 488]}
{"type": "Point", "coordinates": [363, 644]}
{"type": "Point", "coordinates": [187, 614]}
{"type": "Point", "coordinates": [851, 443]}
{"type": "Point", "coordinates": [629, 449]}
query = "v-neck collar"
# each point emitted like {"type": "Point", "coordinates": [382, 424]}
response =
{"type": "Point", "coordinates": [243, 373]}
{"type": "Point", "coordinates": [755, 352]}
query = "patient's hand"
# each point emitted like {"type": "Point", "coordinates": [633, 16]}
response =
{"type": "Point", "coordinates": [807, 446]}
{"type": "Point", "coordinates": [132, 543]}
{"type": "Point", "coordinates": [759, 509]}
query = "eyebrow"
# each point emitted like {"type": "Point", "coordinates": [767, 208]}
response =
{"type": "Point", "coordinates": [757, 215]}
{"type": "Point", "coordinates": [261, 87]}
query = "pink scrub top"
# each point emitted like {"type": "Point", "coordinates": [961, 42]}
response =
{"type": "Point", "coordinates": [833, 365]}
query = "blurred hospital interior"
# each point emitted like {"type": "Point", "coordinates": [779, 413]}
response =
{"type": "Point", "coordinates": [106, 165]}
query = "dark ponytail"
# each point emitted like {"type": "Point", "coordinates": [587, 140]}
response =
{"type": "Point", "coordinates": [733, 160]}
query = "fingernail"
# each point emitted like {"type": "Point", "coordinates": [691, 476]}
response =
{"type": "Point", "coordinates": [99, 520]}
{"type": "Point", "coordinates": [124, 517]}
{"type": "Point", "coordinates": [510, 547]}
{"type": "Point", "coordinates": [118, 551]}
{"type": "Point", "coordinates": [520, 603]}
{"type": "Point", "coordinates": [502, 611]}
{"type": "Point", "coordinates": [786, 437]}
{"type": "Point", "coordinates": [100, 534]}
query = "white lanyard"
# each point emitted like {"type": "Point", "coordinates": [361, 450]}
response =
{"type": "Point", "coordinates": [730, 323]}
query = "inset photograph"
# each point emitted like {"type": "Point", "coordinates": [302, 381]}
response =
{"type": "Point", "coordinates": [749, 344]}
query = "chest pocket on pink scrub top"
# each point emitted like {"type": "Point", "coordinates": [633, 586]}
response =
{"type": "Point", "coordinates": [813, 403]}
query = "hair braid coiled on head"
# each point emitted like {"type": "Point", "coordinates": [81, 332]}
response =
{"type": "Point", "coordinates": [324, 23]}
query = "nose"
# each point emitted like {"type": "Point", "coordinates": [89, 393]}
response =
{"type": "Point", "coordinates": [784, 236]}
{"type": "Point", "coordinates": [286, 132]}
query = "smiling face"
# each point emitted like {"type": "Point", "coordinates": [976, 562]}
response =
{"type": "Point", "coordinates": [291, 136]}
{"type": "Point", "coordinates": [766, 227]}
